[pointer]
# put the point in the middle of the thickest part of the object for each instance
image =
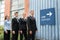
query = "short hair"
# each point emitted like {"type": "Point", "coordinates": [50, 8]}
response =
{"type": "Point", "coordinates": [16, 13]}
{"type": "Point", "coordinates": [31, 11]}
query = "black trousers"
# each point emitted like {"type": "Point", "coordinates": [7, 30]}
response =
{"type": "Point", "coordinates": [24, 33]}
{"type": "Point", "coordinates": [7, 36]}
{"type": "Point", "coordinates": [31, 36]}
{"type": "Point", "coordinates": [15, 36]}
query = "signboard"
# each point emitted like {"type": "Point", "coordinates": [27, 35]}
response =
{"type": "Point", "coordinates": [47, 16]}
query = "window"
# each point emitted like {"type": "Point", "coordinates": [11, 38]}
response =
{"type": "Point", "coordinates": [17, 5]}
{"type": "Point", "coordinates": [2, 19]}
{"type": "Point", "coordinates": [2, 12]}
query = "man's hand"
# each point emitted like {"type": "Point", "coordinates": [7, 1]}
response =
{"type": "Point", "coordinates": [30, 32]}
{"type": "Point", "coordinates": [20, 31]}
{"type": "Point", "coordinates": [13, 32]}
{"type": "Point", "coordinates": [6, 32]}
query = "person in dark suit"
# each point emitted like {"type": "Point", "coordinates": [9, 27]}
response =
{"type": "Point", "coordinates": [23, 27]}
{"type": "Point", "coordinates": [31, 26]}
{"type": "Point", "coordinates": [15, 27]}
{"type": "Point", "coordinates": [7, 28]}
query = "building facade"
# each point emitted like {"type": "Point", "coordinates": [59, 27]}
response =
{"type": "Point", "coordinates": [45, 32]}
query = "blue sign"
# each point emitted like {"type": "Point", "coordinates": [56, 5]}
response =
{"type": "Point", "coordinates": [47, 16]}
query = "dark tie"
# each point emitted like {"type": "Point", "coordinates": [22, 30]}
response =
{"type": "Point", "coordinates": [17, 19]}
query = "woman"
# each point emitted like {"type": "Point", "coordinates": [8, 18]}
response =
{"type": "Point", "coordinates": [7, 28]}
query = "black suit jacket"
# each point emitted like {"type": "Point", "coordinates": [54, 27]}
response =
{"type": "Point", "coordinates": [22, 24]}
{"type": "Point", "coordinates": [15, 24]}
{"type": "Point", "coordinates": [31, 23]}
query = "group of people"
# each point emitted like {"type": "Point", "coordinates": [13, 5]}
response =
{"type": "Point", "coordinates": [25, 26]}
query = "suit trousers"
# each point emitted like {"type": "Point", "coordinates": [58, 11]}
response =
{"type": "Point", "coordinates": [24, 33]}
{"type": "Point", "coordinates": [7, 35]}
{"type": "Point", "coordinates": [15, 36]}
{"type": "Point", "coordinates": [31, 36]}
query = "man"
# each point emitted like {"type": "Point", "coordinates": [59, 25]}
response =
{"type": "Point", "coordinates": [15, 27]}
{"type": "Point", "coordinates": [23, 27]}
{"type": "Point", "coordinates": [31, 26]}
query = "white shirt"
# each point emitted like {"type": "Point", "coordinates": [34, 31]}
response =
{"type": "Point", "coordinates": [7, 25]}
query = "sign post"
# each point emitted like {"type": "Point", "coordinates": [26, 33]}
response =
{"type": "Point", "coordinates": [47, 16]}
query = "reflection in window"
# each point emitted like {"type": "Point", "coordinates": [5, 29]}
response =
{"type": "Point", "coordinates": [17, 5]}
{"type": "Point", "coordinates": [2, 12]}
{"type": "Point", "coordinates": [1, 18]}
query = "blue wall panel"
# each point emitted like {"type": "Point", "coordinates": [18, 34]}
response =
{"type": "Point", "coordinates": [46, 32]}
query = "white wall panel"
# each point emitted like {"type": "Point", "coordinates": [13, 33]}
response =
{"type": "Point", "coordinates": [46, 32]}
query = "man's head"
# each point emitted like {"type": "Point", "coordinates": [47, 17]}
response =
{"type": "Point", "coordinates": [24, 15]}
{"type": "Point", "coordinates": [16, 14]}
{"type": "Point", "coordinates": [32, 12]}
